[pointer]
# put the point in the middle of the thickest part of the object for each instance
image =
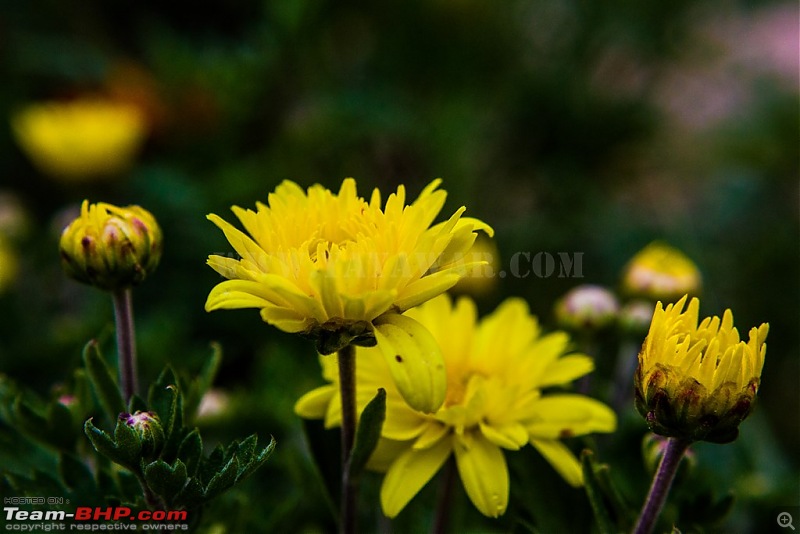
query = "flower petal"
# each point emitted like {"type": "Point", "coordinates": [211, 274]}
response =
{"type": "Point", "coordinates": [414, 359]}
{"type": "Point", "coordinates": [484, 474]}
{"type": "Point", "coordinates": [409, 473]}
{"type": "Point", "coordinates": [314, 404]}
{"type": "Point", "coordinates": [560, 416]}
{"type": "Point", "coordinates": [562, 460]}
{"type": "Point", "coordinates": [566, 369]}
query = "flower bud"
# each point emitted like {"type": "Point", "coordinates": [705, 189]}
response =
{"type": "Point", "coordinates": [111, 247]}
{"type": "Point", "coordinates": [661, 272]}
{"type": "Point", "coordinates": [587, 307]}
{"type": "Point", "coordinates": [697, 382]}
{"type": "Point", "coordinates": [148, 428]}
{"type": "Point", "coordinates": [635, 317]}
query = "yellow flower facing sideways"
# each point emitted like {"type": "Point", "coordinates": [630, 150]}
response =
{"type": "Point", "coordinates": [496, 371]}
{"type": "Point", "coordinates": [698, 381]}
{"type": "Point", "coordinates": [341, 270]}
{"type": "Point", "coordinates": [82, 139]}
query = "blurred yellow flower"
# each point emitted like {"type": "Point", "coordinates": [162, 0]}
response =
{"type": "Point", "coordinates": [496, 371]}
{"type": "Point", "coordinates": [81, 139]}
{"type": "Point", "coordinates": [661, 272]}
{"type": "Point", "coordinates": [481, 279]}
{"type": "Point", "coordinates": [9, 264]}
{"type": "Point", "coordinates": [340, 270]}
{"type": "Point", "coordinates": [698, 382]}
{"type": "Point", "coordinates": [111, 247]}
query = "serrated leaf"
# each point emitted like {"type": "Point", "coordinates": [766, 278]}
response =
{"type": "Point", "coordinates": [191, 496]}
{"type": "Point", "coordinates": [103, 382]}
{"type": "Point", "coordinates": [244, 451]}
{"type": "Point", "coordinates": [211, 465]}
{"type": "Point", "coordinates": [224, 479]}
{"type": "Point", "coordinates": [167, 481]}
{"type": "Point", "coordinates": [101, 441]}
{"type": "Point", "coordinates": [128, 444]}
{"type": "Point", "coordinates": [593, 491]}
{"type": "Point", "coordinates": [256, 460]}
{"type": "Point", "coordinates": [191, 451]}
{"type": "Point", "coordinates": [367, 434]}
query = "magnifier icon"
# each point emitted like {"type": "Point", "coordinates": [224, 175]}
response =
{"type": "Point", "coordinates": [785, 520]}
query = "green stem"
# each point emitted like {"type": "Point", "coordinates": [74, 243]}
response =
{"type": "Point", "coordinates": [126, 342]}
{"type": "Point", "coordinates": [445, 499]}
{"type": "Point", "coordinates": [673, 453]}
{"type": "Point", "coordinates": [347, 390]}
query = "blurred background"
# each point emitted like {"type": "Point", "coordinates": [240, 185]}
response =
{"type": "Point", "coordinates": [587, 128]}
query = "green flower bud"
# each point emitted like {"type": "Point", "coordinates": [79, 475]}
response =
{"type": "Point", "coordinates": [148, 427]}
{"type": "Point", "coordinates": [587, 307]}
{"type": "Point", "coordinates": [697, 381]}
{"type": "Point", "coordinates": [111, 247]}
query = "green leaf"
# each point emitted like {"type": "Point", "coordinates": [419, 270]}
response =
{"type": "Point", "coordinates": [211, 465]}
{"type": "Point", "coordinates": [191, 451]}
{"type": "Point", "coordinates": [224, 479]}
{"type": "Point", "coordinates": [205, 378]}
{"type": "Point", "coordinates": [101, 441]}
{"type": "Point", "coordinates": [60, 429]}
{"type": "Point", "coordinates": [256, 460]}
{"type": "Point", "coordinates": [128, 445]}
{"type": "Point", "coordinates": [602, 518]}
{"type": "Point", "coordinates": [166, 400]}
{"type": "Point", "coordinates": [191, 496]}
{"type": "Point", "coordinates": [367, 434]}
{"type": "Point", "coordinates": [103, 382]}
{"type": "Point", "coordinates": [167, 481]}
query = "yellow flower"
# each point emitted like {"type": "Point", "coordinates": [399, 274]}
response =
{"type": "Point", "coordinates": [697, 382]}
{"type": "Point", "coordinates": [9, 265]}
{"type": "Point", "coordinates": [496, 371]}
{"type": "Point", "coordinates": [661, 272]}
{"type": "Point", "coordinates": [111, 247]}
{"type": "Point", "coordinates": [340, 270]}
{"type": "Point", "coordinates": [481, 279]}
{"type": "Point", "coordinates": [79, 140]}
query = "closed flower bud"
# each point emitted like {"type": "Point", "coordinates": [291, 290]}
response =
{"type": "Point", "coordinates": [148, 428]}
{"type": "Point", "coordinates": [697, 382]}
{"type": "Point", "coordinates": [587, 307]}
{"type": "Point", "coordinates": [111, 247]}
{"type": "Point", "coordinates": [661, 272]}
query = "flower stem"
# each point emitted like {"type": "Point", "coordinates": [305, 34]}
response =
{"type": "Point", "coordinates": [673, 453]}
{"type": "Point", "coordinates": [126, 342]}
{"type": "Point", "coordinates": [445, 500]}
{"type": "Point", "coordinates": [347, 389]}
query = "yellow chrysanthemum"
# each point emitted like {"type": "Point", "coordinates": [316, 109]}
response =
{"type": "Point", "coordinates": [698, 382]}
{"type": "Point", "coordinates": [661, 272]}
{"type": "Point", "coordinates": [111, 247]}
{"type": "Point", "coordinates": [80, 140]}
{"type": "Point", "coordinates": [496, 370]}
{"type": "Point", "coordinates": [340, 270]}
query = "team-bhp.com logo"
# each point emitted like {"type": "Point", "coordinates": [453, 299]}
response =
{"type": "Point", "coordinates": [94, 518]}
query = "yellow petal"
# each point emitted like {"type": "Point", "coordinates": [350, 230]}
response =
{"type": "Point", "coordinates": [484, 474]}
{"type": "Point", "coordinates": [512, 436]}
{"type": "Point", "coordinates": [562, 416]}
{"type": "Point", "coordinates": [313, 404]}
{"type": "Point", "coordinates": [425, 289]}
{"type": "Point", "coordinates": [414, 359]}
{"type": "Point", "coordinates": [562, 460]}
{"type": "Point", "coordinates": [566, 369]}
{"type": "Point", "coordinates": [409, 473]}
